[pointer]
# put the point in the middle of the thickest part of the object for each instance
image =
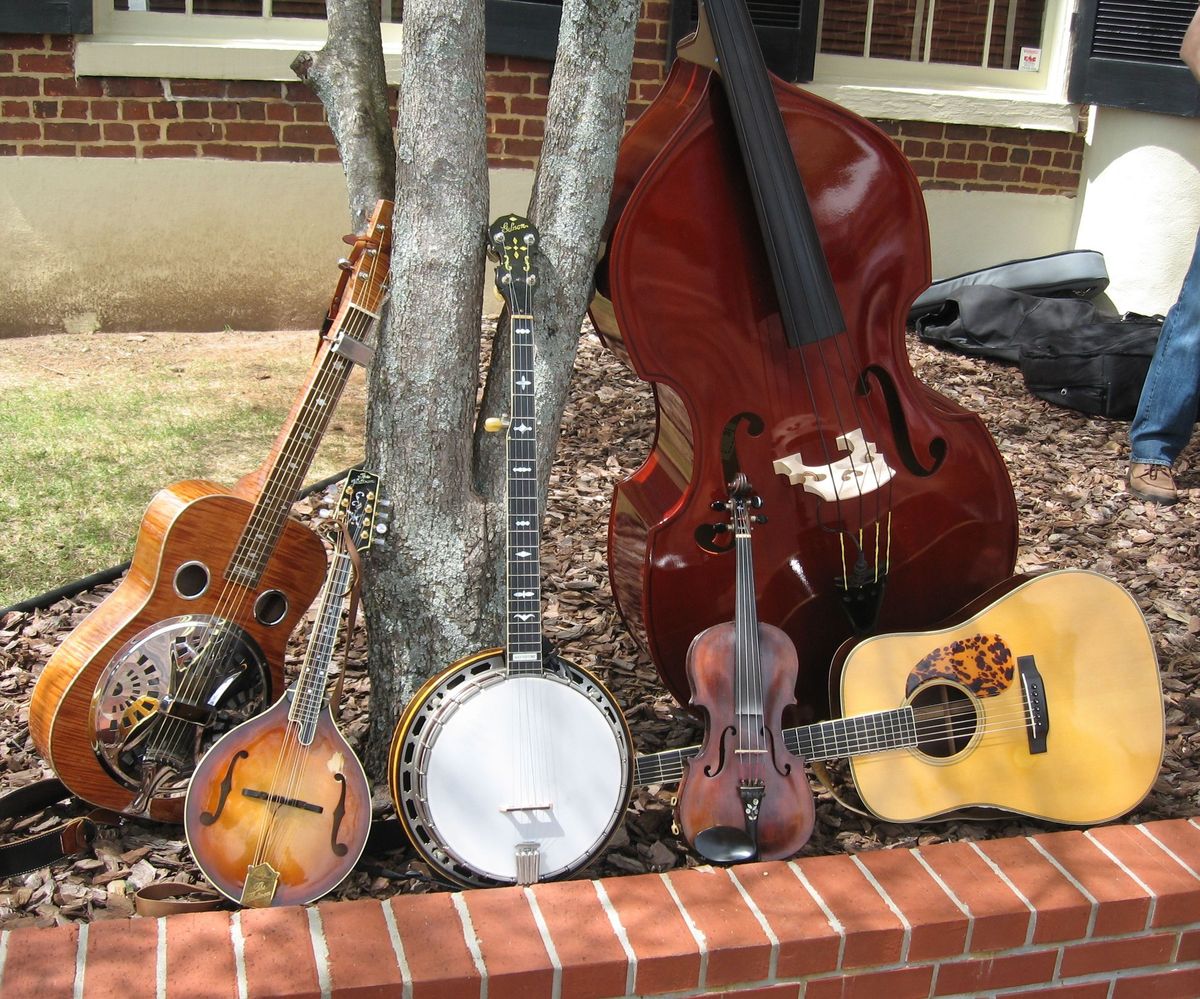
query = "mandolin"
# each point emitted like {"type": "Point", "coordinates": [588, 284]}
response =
{"type": "Point", "coordinates": [513, 766]}
{"type": "Point", "coordinates": [192, 640]}
{"type": "Point", "coordinates": [278, 811]}
{"type": "Point", "coordinates": [1047, 702]}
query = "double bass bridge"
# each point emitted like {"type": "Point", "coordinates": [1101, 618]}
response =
{"type": "Point", "coordinates": [861, 471]}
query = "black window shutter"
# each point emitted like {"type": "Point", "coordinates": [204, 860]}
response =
{"type": "Point", "coordinates": [47, 17]}
{"type": "Point", "coordinates": [527, 28]}
{"type": "Point", "coordinates": [1127, 56]}
{"type": "Point", "coordinates": [786, 30]}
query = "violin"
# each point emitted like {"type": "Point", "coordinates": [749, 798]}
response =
{"type": "Point", "coordinates": [744, 796]}
{"type": "Point", "coordinates": [763, 247]}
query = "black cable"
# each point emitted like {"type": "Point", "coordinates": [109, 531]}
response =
{"type": "Point", "coordinates": [44, 600]}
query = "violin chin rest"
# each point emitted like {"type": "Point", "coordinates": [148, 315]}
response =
{"type": "Point", "coordinates": [725, 845]}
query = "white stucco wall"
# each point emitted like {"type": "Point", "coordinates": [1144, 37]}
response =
{"type": "Point", "coordinates": [121, 245]}
{"type": "Point", "coordinates": [1140, 203]}
{"type": "Point", "coordinates": [202, 244]}
{"type": "Point", "coordinates": [969, 230]}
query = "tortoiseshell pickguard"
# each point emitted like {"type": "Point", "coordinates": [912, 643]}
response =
{"type": "Point", "coordinates": [983, 664]}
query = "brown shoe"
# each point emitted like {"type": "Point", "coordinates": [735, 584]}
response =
{"type": "Point", "coordinates": [1153, 482]}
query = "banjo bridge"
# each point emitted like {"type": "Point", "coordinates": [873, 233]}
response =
{"type": "Point", "coordinates": [527, 808]}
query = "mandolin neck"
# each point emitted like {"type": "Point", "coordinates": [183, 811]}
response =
{"type": "Point", "coordinates": [842, 737]}
{"type": "Point", "coordinates": [308, 695]}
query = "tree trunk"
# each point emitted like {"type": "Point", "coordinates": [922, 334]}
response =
{"type": "Point", "coordinates": [423, 593]}
{"type": "Point", "coordinates": [348, 76]}
{"type": "Point", "coordinates": [435, 593]}
{"type": "Point", "coordinates": [584, 121]}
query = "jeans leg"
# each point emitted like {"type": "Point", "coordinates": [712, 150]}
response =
{"type": "Point", "coordinates": [1166, 412]}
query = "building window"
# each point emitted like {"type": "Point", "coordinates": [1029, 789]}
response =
{"type": "Point", "coordinates": [989, 34]}
{"type": "Point", "coordinates": [257, 39]}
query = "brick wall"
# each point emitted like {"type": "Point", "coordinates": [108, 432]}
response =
{"type": "Point", "coordinates": [46, 111]}
{"type": "Point", "coordinates": [1110, 912]}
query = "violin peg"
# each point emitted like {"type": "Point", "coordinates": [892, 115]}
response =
{"type": "Point", "coordinates": [760, 518]}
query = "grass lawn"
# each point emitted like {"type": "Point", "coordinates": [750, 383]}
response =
{"type": "Point", "coordinates": [93, 425]}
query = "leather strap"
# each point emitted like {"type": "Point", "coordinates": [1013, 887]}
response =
{"type": "Point", "coordinates": [44, 848]}
{"type": "Point", "coordinates": [164, 898]}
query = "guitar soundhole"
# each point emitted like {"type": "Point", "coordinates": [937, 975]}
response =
{"type": "Point", "coordinates": [271, 607]}
{"type": "Point", "coordinates": [946, 718]}
{"type": "Point", "coordinates": [191, 580]}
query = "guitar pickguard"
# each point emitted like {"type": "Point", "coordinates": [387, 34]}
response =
{"type": "Point", "coordinates": [983, 664]}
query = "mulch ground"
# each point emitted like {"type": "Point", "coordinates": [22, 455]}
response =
{"type": "Point", "coordinates": [1067, 472]}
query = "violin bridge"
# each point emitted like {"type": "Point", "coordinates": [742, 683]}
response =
{"type": "Point", "coordinates": [528, 860]}
{"type": "Point", "coordinates": [259, 890]}
{"type": "Point", "coordinates": [862, 471]}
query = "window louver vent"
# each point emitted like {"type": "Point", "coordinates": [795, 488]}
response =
{"type": "Point", "coordinates": [1127, 56]}
{"type": "Point", "coordinates": [1124, 31]}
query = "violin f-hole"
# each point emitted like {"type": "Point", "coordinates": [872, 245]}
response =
{"type": "Point", "coordinates": [731, 733]}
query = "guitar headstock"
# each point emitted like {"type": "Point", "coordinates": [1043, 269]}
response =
{"type": "Point", "coordinates": [370, 261]}
{"type": "Point", "coordinates": [511, 241]}
{"type": "Point", "coordinates": [361, 510]}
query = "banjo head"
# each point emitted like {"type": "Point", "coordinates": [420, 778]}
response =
{"type": "Point", "coordinates": [502, 779]}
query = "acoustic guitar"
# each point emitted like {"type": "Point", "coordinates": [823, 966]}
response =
{"type": "Point", "coordinates": [1047, 703]}
{"type": "Point", "coordinates": [513, 766]}
{"type": "Point", "coordinates": [278, 811]}
{"type": "Point", "coordinates": [191, 642]}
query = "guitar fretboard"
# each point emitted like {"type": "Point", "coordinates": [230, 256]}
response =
{"type": "Point", "coordinates": [300, 441]}
{"type": "Point", "coordinates": [842, 737]}
{"type": "Point", "coordinates": [524, 569]}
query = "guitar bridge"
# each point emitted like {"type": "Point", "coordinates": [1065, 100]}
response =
{"type": "Point", "coordinates": [1037, 711]}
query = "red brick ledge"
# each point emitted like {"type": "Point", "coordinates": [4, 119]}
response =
{"type": "Point", "coordinates": [1112, 911]}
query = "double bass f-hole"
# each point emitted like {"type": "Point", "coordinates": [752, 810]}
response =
{"type": "Point", "coordinates": [731, 467]}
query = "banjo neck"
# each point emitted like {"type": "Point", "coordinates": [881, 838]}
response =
{"type": "Point", "coordinates": [515, 278]}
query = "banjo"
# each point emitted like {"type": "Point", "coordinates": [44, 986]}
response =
{"type": "Point", "coordinates": [512, 766]}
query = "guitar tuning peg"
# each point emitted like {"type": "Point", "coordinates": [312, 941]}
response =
{"type": "Point", "coordinates": [345, 264]}
{"type": "Point", "coordinates": [381, 528]}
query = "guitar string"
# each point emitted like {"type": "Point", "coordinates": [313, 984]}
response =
{"type": "Point", "coordinates": [851, 744]}
{"type": "Point", "coordinates": [233, 598]}
{"type": "Point", "coordinates": [298, 449]}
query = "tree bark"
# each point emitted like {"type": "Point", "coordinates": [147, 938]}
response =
{"type": "Point", "coordinates": [584, 121]}
{"type": "Point", "coordinates": [424, 591]}
{"type": "Point", "coordinates": [348, 76]}
{"type": "Point", "coordinates": [435, 593]}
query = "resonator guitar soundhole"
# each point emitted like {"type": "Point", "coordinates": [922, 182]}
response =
{"type": "Point", "coordinates": [191, 580]}
{"type": "Point", "coordinates": [271, 607]}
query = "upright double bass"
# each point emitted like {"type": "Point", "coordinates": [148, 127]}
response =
{"type": "Point", "coordinates": [763, 247]}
